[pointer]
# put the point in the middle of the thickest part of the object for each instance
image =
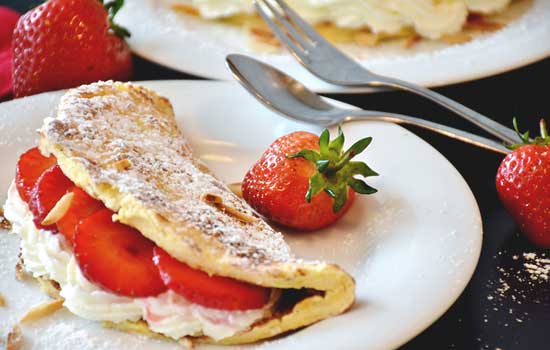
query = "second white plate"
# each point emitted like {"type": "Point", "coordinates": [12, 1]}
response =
{"type": "Point", "coordinates": [199, 47]}
{"type": "Point", "coordinates": [411, 248]}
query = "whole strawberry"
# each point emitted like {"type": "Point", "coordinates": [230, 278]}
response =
{"type": "Point", "coordinates": [65, 43]}
{"type": "Point", "coordinates": [306, 182]}
{"type": "Point", "coordinates": [523, 184]}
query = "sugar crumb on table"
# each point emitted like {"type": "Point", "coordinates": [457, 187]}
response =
{"type": "Point", "coordinates": [519, 282]}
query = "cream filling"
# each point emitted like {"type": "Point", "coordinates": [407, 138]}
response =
{"type": "Point", "coordinates": [46, 254]}
{"type": "Point", "coordinates": [430, 18]}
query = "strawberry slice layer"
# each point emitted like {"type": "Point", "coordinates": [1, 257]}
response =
{"type": "Point", "coordinates": [211, 291]}
{"type": "Point", "coordinates": [47, 191]}
{"type": "Point", "coordinates": [116, 257]}
{"type": "Point", "coordinates": [82, 206]}
{"type": "Point", "coordinates": [30, 166]}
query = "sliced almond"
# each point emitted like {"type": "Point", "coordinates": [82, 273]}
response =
{"type": "Point", "coordinates": [217, 202]}
{"type": "Point", "coordinates": [4, 223]}
{"type": "Point", "coordinates": [264, 36]}
{"type": "Point", "coordinates": [20, 272]}
{"type": "Point", "coordinates": [2, 301]}
{"type": "Point", "coordinates": [262, 32]}
{"type": "Point", "coordinates": [187, 9]}
{"type": "Point", "coordinates": [50, 287]}
{"type": "Point", "coordinates": [42, 310]}
{"type": "Point", "coordinates": [236, 187]}
{"type": "Point", "coordinates": [14, 340]}
{"type": "Point", "coordinates": [59, 209]}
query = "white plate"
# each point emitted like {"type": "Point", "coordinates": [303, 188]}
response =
{"type": "Point", "coordinates": [199, 47]}
{"type": "Point", "coordinates": [412, 247]}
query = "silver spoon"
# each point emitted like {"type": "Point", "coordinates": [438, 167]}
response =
{"type": "Point", "coordinates": [288, 97]}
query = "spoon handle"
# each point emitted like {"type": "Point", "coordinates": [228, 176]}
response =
{"type": "Point", "coordinates": [448, 131]}
{"type": "Point", "coordinates": [502, 132]}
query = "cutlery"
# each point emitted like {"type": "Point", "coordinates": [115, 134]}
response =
{"type": "Point", "coordinates": [288, 97]}
{"type": "Point", "coordinates": [328, 63]}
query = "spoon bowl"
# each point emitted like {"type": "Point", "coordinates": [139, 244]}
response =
{"type": "Point", "coordinates": [291, 99]}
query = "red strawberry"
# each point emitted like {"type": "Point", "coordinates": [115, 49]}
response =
{"type": "Point", "coordinates": [82, 206]}
{"type": "Point", "coordinates": [30, 166]}
{"type": "Point", "coordinates": [523, 184]}
{"type": "Point", "coordinates": [47, 191]}
{"type": "Point", "coordinates": [116, 256]}
{"type": "Point", "coordinates": [65, 43]}
{"type": "Point", "coordinates": [306, 182]}
{"type": "Point", "coordinates": [8, 19]}
{"type": "Point", "coordinates": [211, 291]}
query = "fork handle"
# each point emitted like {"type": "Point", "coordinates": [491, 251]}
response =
{"type": "Point", "coordinates": [502, 132]}
{"type": "Point", "coordinates": [448, 131]}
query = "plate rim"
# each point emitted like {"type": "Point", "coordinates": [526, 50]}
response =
{"type": "Point", "coordinates": [517, 57]}
{"type": "Point", "coordinates": [421, 326]}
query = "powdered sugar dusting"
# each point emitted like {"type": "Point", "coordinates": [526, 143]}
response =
{"type": "Point", "coordinates": [101, 124]}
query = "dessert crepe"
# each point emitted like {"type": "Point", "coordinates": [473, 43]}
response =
{"type": "Point", "coordinates": [120, 144]}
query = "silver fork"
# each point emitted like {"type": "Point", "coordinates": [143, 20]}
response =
{"type": "Point", "coordinates": [330, 64]}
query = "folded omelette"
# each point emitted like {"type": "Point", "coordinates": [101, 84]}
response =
{"type": "Point", "coordinates": [120, 144]}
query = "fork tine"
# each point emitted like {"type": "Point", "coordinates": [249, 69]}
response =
{"type": "Point", "coordinates": [297, 51]}
{"type": "Point", "coordinates": [292, 32]}
{"type": "Point", "coordinates": [300, 22]}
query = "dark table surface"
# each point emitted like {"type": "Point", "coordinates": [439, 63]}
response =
{"type": "Point", "coordinates": [502, 307]}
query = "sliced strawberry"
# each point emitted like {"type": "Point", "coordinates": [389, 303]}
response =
{"type": "Point", "coordinates": [116, 256]}
{"type": "Point", "coordinates": [47, 191]}
{"type": "Point", "coordinates": [82, 206]}
{"type": "Point", "coordinates": [30, 166]}
{"type": "Point", "coordinates": [211, 291]}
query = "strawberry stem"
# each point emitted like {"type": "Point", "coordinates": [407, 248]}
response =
{"type": "Point", "coordinates": [335, 171]}
{"type": "Point", "coordinates": [542, 140]}
{"type": "Point", "coordinates": [112, 8]}
{"type": "Point", "coordinates": [543, 129]}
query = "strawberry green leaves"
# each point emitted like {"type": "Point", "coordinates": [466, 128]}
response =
{"type": "Point", "coordinates": [542, 140]}
{"type": "Point", "coordinates": [112, 8]}
{"type": "Point", "coordinates": [335, 170]}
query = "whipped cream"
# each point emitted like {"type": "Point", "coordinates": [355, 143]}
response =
{"type": "Point", "coordinates": [430, 18]}
{"type": "Point", "coordinates": [48, 255]}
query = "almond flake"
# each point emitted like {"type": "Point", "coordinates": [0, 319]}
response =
{"type": "Point", "coordinates": [187, 9]}
{"type": "Point", "coordinates": [4, 223]}
{"type": "Point", "coordinates": [217, 201]}
{"type": "Point", "coordinates": [49, 287]}
{"type": "Point", "coordinates": [2, 301]}
{"type": "Point", "coordinates": [20, 272]}
{"type": "Point", "coordinates": [14, 340]}
{"type": "Point", "coordinates": [236, 187]}
{"type": "Point", "coordinates": [264, 36]}
{"type": "Point", "coordinates": [59, 209]}
{"type": "Point", "coordinates": [42, 310]}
